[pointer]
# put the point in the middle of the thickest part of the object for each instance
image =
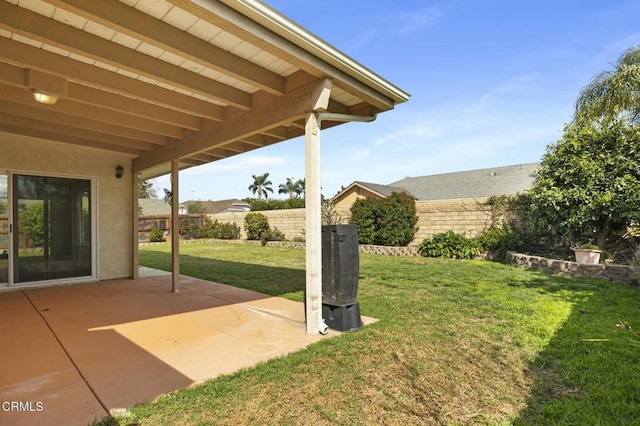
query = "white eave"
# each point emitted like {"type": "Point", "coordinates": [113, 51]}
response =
{"type": "Point", "coordinates": [294, 33]}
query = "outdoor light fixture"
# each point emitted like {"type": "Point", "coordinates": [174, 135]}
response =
{"type": "Point", "coordinates": [44, 97]}
{"type": "Point", "coordinates": [119, 171]}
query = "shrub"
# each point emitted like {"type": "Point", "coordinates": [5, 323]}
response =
{"type": "Point", "coordinates": [257, 204]}
{"type": "Point", "coordinates": [271, 234]}
{"type": "Point", "coordinates": [156, 235]}
{"type": "Point", "coordinates": [451, 245]}
{"type": "Point", "coordinates": [218, 230]}
{"type": "Point", "coordinates": [500, 240]}
{"type": "Point", "coordinates": [385, 221]}
{"type": "Point", "coordinates": [255, 224]}
{"type": "Point", "coordinates": [226, 230]}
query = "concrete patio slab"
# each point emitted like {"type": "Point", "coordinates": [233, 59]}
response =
{"type": "Point", "coordinates": [75, 353]}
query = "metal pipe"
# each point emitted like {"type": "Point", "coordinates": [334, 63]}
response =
{"type": "Point", "coordinates": [332, 116]}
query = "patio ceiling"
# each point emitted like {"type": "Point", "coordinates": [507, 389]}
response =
{"type": "Point", "coordinates": [194, 80]}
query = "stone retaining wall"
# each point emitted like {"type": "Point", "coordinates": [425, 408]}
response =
{"type": "Point", "coordinates": [619, 273]}
{"type": "Point", "coordinates": [384, 250]}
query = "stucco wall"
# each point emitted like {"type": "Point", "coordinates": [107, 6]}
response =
{"type": "Point", "coordinates": [114, 201]}
{"type": "Point", "coordinates": [347, 199]}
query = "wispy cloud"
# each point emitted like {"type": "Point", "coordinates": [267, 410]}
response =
{"type": "Point", "coordinates": [510, 88]}
{"type": "Point", "coordinates": [410, 131]}
{"type": "Point", "coordinates": [411, 22]}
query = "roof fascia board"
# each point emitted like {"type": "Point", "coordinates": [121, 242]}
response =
{"type": "Point", "coordinates": [279, 24]}
{"type": "Point", "coordinates": [256, 32]}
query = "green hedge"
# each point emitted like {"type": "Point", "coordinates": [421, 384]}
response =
{"type": "Point", "coordinates": [271, 204]}
{"type": "Point", "coordinates": [451, 245]}
{"type": "Point", "coordinates": [385, 221]}
{"type": "Point", "coordinates": [189, 229]}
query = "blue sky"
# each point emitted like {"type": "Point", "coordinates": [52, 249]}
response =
{"type": "Point", "coordinates": [492, 83]}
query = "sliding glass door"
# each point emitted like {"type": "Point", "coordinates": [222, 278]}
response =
{"type": "Point", "coordinates": [52, 228]}
{"type": "Point", "coordinates": [4, 230]}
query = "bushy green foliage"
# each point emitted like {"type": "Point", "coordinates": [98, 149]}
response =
{"type": "Point", "coordinates": [500, 239]}
{"type": "Point", "coordinates": [588, 184]}
{"type": "Point", "coordinates": [258, 204]}
{"type": "Point", "coordinates": [156, 235]}
{"type": "Point", "coordinates": [32, 223]}
{"type": "Point", "coordinates": [255, 224]}
{"type": "Point", "coordinates": [190, 229]}
{"type": "Point", "coordinates": [450, 245]}
{"type": "Point", "coordinates": [271, 234]}
{"type": "Point", "coordinates": [385, 221]}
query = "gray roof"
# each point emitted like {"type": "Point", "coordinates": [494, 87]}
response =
{"type": "Point", "coordinates": [152, 207]}
{"type": "Point", "coordinates": [479, 183]}
{"type": "Point", "coordinates": [221, 206]}
{"type": "Point", "coordinates": [384, 190]}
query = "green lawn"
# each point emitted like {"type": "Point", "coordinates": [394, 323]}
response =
{"type": "Point", "coordinates": [458, 342]}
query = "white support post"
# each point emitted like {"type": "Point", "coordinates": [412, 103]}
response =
{"type": "Point", "coordinates": [313, 226]}
{"type": "Point", "coordinates": [175, 226]}
{"type": "Point", "coordinates": [135, 226]}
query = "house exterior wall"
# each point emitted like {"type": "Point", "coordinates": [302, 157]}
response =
{"type": "Point", "coordinates": [114, 197]}
{"type": "Point", "coordinates": [352, 195]}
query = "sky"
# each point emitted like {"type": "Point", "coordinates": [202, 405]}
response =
{"type": "Point", "coordinates": [492, 83]}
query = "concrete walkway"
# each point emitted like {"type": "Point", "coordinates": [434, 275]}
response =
{"type": "Point", "coordinates": [72, 354]}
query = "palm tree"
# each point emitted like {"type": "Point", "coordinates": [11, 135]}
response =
{"type": "Point", "coordinates": [261, 185]}
{"type": "Point", "coordinates": [611, 93]}
{"type": "Point", "coordinates": [300, 187]}
{"type": "Point", "coordinates": [292, 188]}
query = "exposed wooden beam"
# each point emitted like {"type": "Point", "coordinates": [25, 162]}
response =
{"type": "Point", "coordinates": [245, 28]}
{"type": "Point", "coordinates": [115, 102]}
{"type": "Point", "coordinates": [32, 57]}
{"type": "Point", "coordinates": [51, 115]}
{"type": "Point", "coordinates": [91, 138]}
{"type": "Point", "coordinates": [292, 106]}
{"type": "Point", "coordinates": [139, 25]}
{"type": "Point", "coordinates": [77, 109]}
{"type": "Point", "coordinates": [36, 26]}
{"type": "Point", "coordinates": [62, 137]}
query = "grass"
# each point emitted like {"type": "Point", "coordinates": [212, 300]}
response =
{"type": "Point", "coordinates": [458, 342]}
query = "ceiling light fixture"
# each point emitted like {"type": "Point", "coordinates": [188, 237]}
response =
{"type": "Point", "coordinates": [44, 97]}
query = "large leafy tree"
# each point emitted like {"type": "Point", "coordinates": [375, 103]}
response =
{"type": "Point", "coordinates": [613, 92]}
{"type": "Point", "coordinates": [146, 189]}
{"type": "Point", "coordinates": [261, 185]}
{"type": "Point", "coordinates": [292, 188]}
{"type": "Point", "coordinates": [588, 184]}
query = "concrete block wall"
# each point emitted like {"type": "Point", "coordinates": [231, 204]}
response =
{"type": "Point", "coordinates": [290, 222]}
{"type": "Point", "coordinates": [465, 216]}
{"type": "Point", "coordinates": [468, 217]}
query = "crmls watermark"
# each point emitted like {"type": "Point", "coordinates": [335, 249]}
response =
{"type": "Point", "coordinates": [22, 406]}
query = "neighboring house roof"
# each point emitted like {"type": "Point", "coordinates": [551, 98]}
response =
{"type": "Point", "coordinates": [151, 207]}
{"type": "Point", "coordinates": [222, 206]}
{"type": "Point", "coordinates": [479, 183]}
{"type": "Point", "coordinates": [380, 190]}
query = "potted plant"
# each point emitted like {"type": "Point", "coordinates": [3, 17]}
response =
{"type": "Point", "coordinates": [588, 253]}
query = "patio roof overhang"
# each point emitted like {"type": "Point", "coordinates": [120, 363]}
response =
{"type": "Point", "coordinates": [180, 83]}
{"type": "Point", "coordinates": [194, 81]}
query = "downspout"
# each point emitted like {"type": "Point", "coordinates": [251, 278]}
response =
{"type": "Point", "coordinates": [332, 116]}
{"type": "Point", "coordinates": [314, 223]}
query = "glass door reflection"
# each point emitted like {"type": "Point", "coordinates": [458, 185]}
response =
{"type": "Point", "coordinates": [53, 222]}
{"type": "Point", "coordinates": [4, 230]}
